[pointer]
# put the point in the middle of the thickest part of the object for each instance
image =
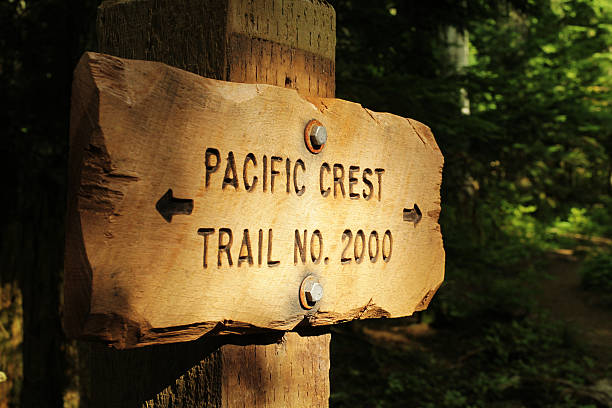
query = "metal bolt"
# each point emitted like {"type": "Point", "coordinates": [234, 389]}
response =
{"type": "Point", "coordinates": [315, 293]}
{"type": "Point", "coordinates": [315, 136]}
{"type": "Point", "coordinates": [318, 135]}
{"type": "Point", "coordinates": [311, 291]}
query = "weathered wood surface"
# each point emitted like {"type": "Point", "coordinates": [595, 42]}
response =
{"type": "Point", "coordinates": [284, 371]}
{"type": "Point", "coordinates": [278, 42]}
{"type": "Point", "coordinates": [285, 374]}
{"type": "Point", "coordinates": [139, 129]}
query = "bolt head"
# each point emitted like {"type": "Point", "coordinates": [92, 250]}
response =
{"type": "Point", "coordinates": [318, 135]}
{"type": "Point", "coordinates": [314, 293]}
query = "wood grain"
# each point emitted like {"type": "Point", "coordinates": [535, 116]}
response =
{"type": "Point", "coordinates": [284, 374]}
{"type": "Point", "coordinates": [140, 128]}
{"type": "Point", "coordinates": [278, 42]}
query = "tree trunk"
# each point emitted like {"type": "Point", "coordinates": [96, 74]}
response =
{"type": "Point", "coordinates": [278, 42]}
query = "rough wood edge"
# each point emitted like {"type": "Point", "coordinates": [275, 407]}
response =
{"type": "Point", "coordinates": [78, 278]}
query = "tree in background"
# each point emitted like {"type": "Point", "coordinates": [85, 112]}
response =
{"type": "Point", "coordinates": [537, 141]}
{"type": "Point", "coordinates": [40, 43]}
{"type": "Point", "coordinates": [531, 160]}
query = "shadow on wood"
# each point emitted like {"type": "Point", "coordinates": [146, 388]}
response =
{"type": "Point", "coordinates": [201, 372]}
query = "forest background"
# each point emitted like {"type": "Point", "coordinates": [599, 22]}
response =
{"type": "Point", "coordinates": [518, 95]}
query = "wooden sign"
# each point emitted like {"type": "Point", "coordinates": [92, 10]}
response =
{"type": "Point", "coordinates": [197, 207]}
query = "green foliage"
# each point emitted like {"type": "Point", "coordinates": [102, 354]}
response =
{"type": "Point", "coordinates": [577, 221]}
{"type": "Point", "coordinates": [522, 362]}
{"type": "Point", "coordinates": [596, 275]}
{"type": "Point", "coordinates": [539, 132]}
{"type": "Point", "coordinates": [532, 160]}
{"type": "Point", "coordinates": [595, 222]}
{"type": "Point", "coordinates": [540, 79]}
{"type": "Point", "coordinates": [528, 170]}
{"type": "Point", "coordinates": [496, 281]}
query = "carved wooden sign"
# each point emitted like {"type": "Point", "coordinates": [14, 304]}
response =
{"type": "Point", "coordinates": [197, 207]}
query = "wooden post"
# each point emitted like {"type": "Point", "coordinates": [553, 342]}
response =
{"type": "Point", "coordinates": [284, 43]}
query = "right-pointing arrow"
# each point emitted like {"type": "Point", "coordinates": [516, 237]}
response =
{"type": "Point", "coordinates": [413, 214]}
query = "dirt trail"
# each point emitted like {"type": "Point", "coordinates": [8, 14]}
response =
{"type": "Point", "coordinates": [566, 300]}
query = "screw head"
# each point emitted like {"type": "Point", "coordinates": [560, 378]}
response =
{"type": "Point", "coordinates": [311, 291]}
{"type": "Point", "coordinates": [315, 136]}
{"type": "Point", "coordinates": [315, 293]}
{"type": "Point", "coordinates": [318, 135]}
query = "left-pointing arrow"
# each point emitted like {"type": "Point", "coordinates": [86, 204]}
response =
{"type": "Point", "coordinates": [169, 206]}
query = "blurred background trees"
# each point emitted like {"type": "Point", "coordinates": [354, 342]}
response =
{"type": "Point", "coordinates": [533, 150]}
{"type": "Point", "coordinates": [526, 131]}
{"type": "Point", "coordinates": [517, 93]}
{"type": "Point", "coordinates": [40, 42]}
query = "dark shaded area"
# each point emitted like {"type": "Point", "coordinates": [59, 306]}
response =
{"type": "Point", "coordinates": [40, 43]}
{"type": "Point", "coordinates": [175, 366]}
{"type": "Point", "coordinates": [186, 374]}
